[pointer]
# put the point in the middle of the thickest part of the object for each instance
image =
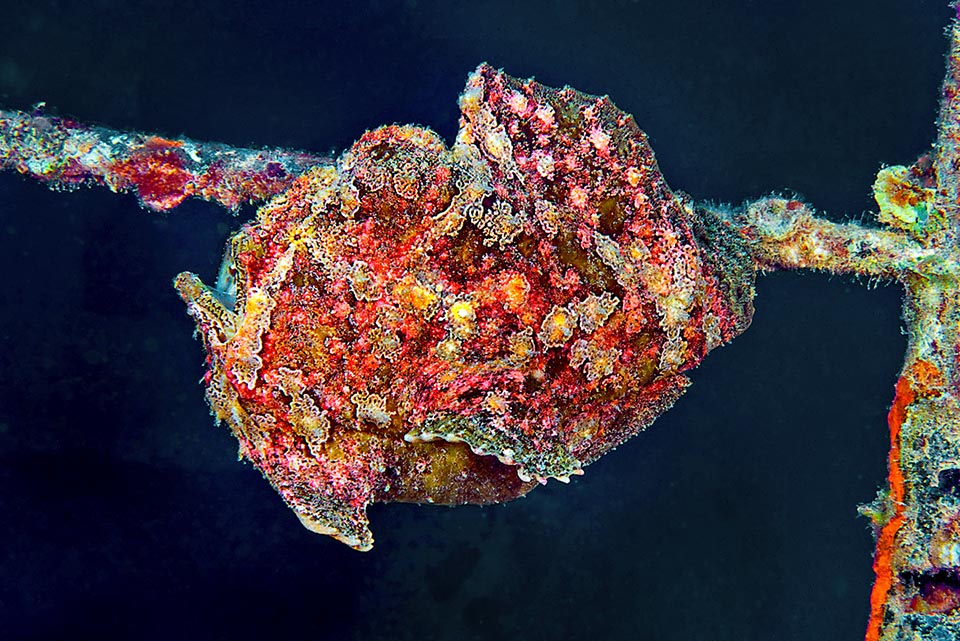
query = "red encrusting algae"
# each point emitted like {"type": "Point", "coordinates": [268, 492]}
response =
{"type": "Point", "coordinates": [161, 171]}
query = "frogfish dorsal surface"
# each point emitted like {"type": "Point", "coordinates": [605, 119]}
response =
{"type": "Point", "coordinates": [454, 324]}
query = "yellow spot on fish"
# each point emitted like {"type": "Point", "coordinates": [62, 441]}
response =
{"type": "Point", "coordinates": [463, 318]}
{"type": "Point", "coordinates": [557, 327]}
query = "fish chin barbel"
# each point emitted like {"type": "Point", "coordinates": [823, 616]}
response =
{"type": "Point", "coordinates": [418, 322]}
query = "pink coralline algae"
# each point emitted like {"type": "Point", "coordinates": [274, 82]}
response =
{"type": "Point", "coordinates": [453, 324]}
{"type": "Point", "coordinates": [162, 172]}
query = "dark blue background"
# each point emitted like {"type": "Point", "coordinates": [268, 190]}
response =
{"type": "Point", "coordinates": [123, 511]}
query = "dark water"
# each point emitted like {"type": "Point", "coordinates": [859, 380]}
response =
{"type": "Point", "coordinates": [123, 511]}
